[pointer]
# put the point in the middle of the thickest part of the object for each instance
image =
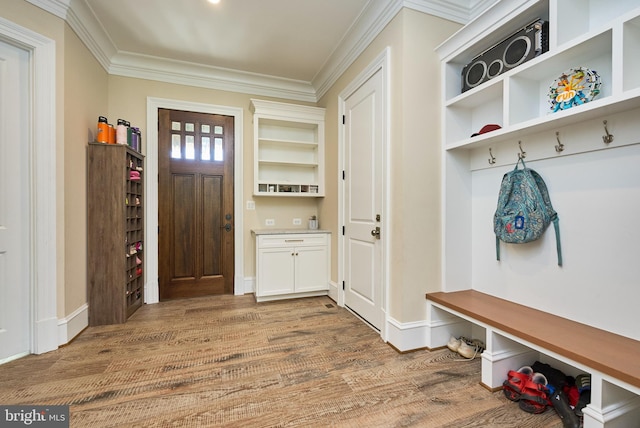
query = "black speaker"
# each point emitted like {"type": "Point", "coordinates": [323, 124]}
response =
{"type": "Point", "coordinates": [525, 44]}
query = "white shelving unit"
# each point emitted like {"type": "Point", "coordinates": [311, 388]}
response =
{"type": "Point", "coordinates": [603, 35]}
{"type": "Point", "coordinates": [288, 149]}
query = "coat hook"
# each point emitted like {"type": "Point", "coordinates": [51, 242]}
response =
{"type": "Point", "coordinates": [608, 138]}
{"type": "Point", "coordinates": [492, 159]}
{"type": "Point", "coordinates": [522, 153]}
{"type": "Point", "coordinates": [560, 146]}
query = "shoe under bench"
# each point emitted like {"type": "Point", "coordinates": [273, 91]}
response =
{"type": "Point", "coordinates": [517, 335]}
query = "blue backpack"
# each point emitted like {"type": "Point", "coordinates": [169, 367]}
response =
{"type": "Point", "coordinates": [524, 209]}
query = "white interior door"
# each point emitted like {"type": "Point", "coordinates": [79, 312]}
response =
{"type": "Point", "coordinates": [14, 203]}
{"type": "Point", "coordinates": [362, 204]}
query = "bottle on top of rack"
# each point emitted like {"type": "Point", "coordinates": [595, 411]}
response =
{"type": "Point", "coordinates": [121, 132]}
{"type": "Point", "coordinates": [129, 131]}
{"type": "Point", "coordinates": [102, 136]}
{"type": "Point", "coordinates": [112, 134]}
{"type": "Point", "coordinates": [134, 139]}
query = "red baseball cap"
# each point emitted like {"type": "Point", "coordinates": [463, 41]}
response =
{"type": "Point", "coordinates": [487, 128]}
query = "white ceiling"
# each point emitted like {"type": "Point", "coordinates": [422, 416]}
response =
{"type": "Point", "coordinates": [285, 48]}
{"type": "Point", "coordinates": [285, 38]}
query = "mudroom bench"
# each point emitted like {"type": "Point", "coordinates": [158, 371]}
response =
{"type": "Point", "coordinates": [517, 335]}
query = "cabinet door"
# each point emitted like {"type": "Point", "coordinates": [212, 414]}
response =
{"type": "Point", "coordinates": [275, 271]}
{"type": "Point", "coordinates": [311, 270]}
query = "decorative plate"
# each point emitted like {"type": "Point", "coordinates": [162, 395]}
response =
{"type": "Point", "coordinates": [573, 88]}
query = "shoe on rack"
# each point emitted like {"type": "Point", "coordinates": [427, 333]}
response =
{"type": "Point", "coordinates": [470, 349]}
{"type": "Point", "coordinates": [516, 380]}
{"type": "Point", "coordinates": [535, 395]}
{"type": "Point", "coordinates": [560, 402]}
{"type": "Point", "coordinates": [454, 344]}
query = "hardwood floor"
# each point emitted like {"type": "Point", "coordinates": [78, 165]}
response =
{"type": "Point", "coordinates": [228, 361]}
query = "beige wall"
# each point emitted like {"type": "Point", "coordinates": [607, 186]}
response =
{"type": "Point", "coordinates": [414, 201]}
{"type": "Point", "coordinates": [85, 99]}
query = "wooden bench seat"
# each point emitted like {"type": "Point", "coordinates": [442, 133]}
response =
{"type": "Point", "coordinates": [611, 359]}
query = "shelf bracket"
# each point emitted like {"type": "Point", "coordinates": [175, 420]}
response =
{"type": "Point", "coordinates": [607, 138]}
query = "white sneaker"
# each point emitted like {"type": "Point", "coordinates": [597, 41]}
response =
{"type": "Point", "coordinates": [454, 344]}
{"type": "Point", "coordinates": [471, 348]}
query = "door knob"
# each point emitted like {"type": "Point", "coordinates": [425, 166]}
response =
{"type": "Point", "coordinates": [227, 227]}
{"type": "Point", "coordinates": [376, 232]}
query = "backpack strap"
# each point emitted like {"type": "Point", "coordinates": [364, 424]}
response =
{"type": "Point", "coordinates": [556, 227]}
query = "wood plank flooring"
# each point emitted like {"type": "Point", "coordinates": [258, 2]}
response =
{"type": "Point", "coordinates": [229, 362]}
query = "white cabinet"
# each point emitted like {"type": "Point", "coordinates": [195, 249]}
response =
{"type": "Point", "coordinates": [288, 149]}
{"type": "Point", "coordinates": [290, 265]}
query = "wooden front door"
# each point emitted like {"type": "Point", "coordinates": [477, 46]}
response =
{"type": "Point", "coordinates": [195, 204]}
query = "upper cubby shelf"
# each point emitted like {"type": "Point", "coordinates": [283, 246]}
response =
{"type": "Point", "coordinates": [288, 149]}
{"type": "Point", "coordinates": [598, 35]}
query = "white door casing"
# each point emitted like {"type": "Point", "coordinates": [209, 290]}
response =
{"type": "Point", "coordinates": [15, 332]}
{"type": "Point", "coordinates": [363, 151]}
{"type": "Point", "coordinates": [40, 153]}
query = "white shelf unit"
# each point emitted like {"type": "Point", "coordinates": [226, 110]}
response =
{"type": "Point", "coordinates": [602, 35]}
{"type": "Point", "coordinates": [288, 149]}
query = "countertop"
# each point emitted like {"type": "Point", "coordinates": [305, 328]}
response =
{"type": "Point", "coordinates": [286, 231]}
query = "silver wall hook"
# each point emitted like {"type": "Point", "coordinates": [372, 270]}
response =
{"type": "Point", "coordinates": [560, 146]}
{"type": "Point", "coordinates": [492, 158]}
{"type": "Point", "coordinates": [608, 138]}
{"type": "Point", "coordinates": [522, 153]}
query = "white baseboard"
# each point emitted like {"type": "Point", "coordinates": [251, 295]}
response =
{"type": "Point", "coordinates": [407, 336]}
{"type": "Point", "coordinates": [248, 285]}
{"type": "Point", "coordinates": [70, 326]}
{"type": "Point", "coordinates": [333, 291]}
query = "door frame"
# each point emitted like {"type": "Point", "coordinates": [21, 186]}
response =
{"type": "Point", "coordinates": [151, 287]}
{"type": "Point", "coordinates": [380, 63]}
{"type": "Point", "coordinates": [42, 176]}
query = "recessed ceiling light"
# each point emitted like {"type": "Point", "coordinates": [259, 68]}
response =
{"type": "Point", "coordinates": [214, 1]}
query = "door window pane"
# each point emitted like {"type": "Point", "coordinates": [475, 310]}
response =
{"type": "Point", "coordinates": [217, 129]}
{"type": "Point", "coordinates": [189, 147]}
{"type": "Point", "coordinates": [205, 153]}
{"type": "Point", "coordinates": [175, 126]}
{"type": "Point", "coordinates": [189, 127]}
{"type": "Point", "coordinates": [206, 129]}
{"type": "Point", "coordinates": [175, 146]}
{"type": "Point", "coordinates": [217, 149]}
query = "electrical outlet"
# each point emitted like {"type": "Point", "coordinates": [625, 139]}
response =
{"type": "Point", "coordinates": [270, 222]}
{"type": "Point", "coordinates": [251, 205]}
{"type": "Point", "coordinates": [297, 222]}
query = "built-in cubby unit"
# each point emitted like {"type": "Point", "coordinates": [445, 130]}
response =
{"type": "Point", "coordinates": [288, 149]}
{"type": "Point", "coordinates": [588, 154]}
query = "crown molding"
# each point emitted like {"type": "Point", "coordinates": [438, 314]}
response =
{"type": "Point", "coordinates": [56, 7]}
{"type": "Point", "coordinates": [369, 24]}
{"type": "Point", "coordinates": [191, 74]}
{"type": "Point", "coordinates": [84, 23]}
